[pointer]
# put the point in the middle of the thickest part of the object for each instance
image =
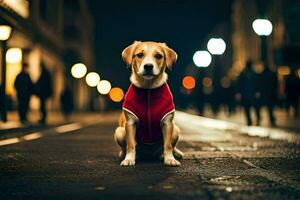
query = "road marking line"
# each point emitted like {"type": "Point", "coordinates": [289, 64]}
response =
{"type": "Point", "coordinates": [9, 141]}
{"type": "Point", "coordinates": [68, 128]}
{"type": "Point", "coordinates": [32, 136]}
{"type": "Point", "coordinates": [224, 178]}
{"type": "Point", "coordinates": [100, 188]}
{"type": "Point", "coordinates": [37, 135]}
{"type": "Point", "coordinates": [167, 187]}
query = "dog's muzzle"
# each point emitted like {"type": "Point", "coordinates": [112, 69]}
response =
{"type": "Point", "coordinates": [148, 70]}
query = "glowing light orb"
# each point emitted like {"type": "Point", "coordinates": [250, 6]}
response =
{"type": "Point", "coordinates": [116, 94]}
{"type": "Point", "coordinates": [202, 58]}
{"type": "Point", "coordinates": [207, 82]}
{"type": "Point", "coordinates": [78, 70]}
{"type": "Point", "coordinates": [216, 46]}
{"type": "Point", "coordinates": [104, 87]}
{"type": "Point", "coordinates": [14, 55]}
{"type": "Point", "coordinates": [92, 79]}
{"type": "Point", "coordinates": [262, 27]}
{"type": "Point", "coordinates": [189, 82]}
{"type": "Point", "coordinates": [5, 32]}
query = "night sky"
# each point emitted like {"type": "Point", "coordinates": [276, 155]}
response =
{"type": "Point", "coordinates": [183, 25]}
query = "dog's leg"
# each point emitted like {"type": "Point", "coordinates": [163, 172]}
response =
{"type": "Point", "coordinates": [130, 130]}
{"type": "Point", "coordinates": [120, 139]}
{"type": "Point", "coordinates": [168, 129]}
{"type": "Point", "coordinates": [175, 137]}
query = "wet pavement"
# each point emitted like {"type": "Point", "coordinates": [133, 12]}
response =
{"type": "Point", "coordinates": [222, 161]}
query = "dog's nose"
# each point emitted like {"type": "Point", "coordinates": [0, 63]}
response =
{"type": "Point", "coordinates": [148, 67]}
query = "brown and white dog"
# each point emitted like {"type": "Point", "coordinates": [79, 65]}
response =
{"type": "Point", "coordinates": [148, 61]}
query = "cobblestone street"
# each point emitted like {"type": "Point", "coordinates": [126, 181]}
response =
{"type": "Point", "coordinates": [78, 160]}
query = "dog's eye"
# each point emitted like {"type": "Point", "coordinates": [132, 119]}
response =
{"type": "Point", "coordinates": [140, 55]}
{"type": "Point", "coordinates": [158, 56]}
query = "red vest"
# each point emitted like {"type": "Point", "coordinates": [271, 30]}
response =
{"type": "Point", "coordinates": [150, 106]}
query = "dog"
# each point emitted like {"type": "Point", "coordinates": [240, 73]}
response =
{"type": "Point", "coordinates": [146, 125]}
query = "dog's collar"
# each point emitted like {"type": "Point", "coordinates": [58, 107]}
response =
{"type": "Point", "coordinates": [156, 88]}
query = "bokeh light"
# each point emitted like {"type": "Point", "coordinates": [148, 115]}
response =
{"type": "Point", "coordinates": [202, 58]}
{"type": "Point", "coordinates": [116, 94]}
{"type": "Point", "coordinates": [104, 87]}
{"type": "Point", "coordinates": [78, 70]}
{"type": "Point", "coordinates": [262, 27]}
{"type": "Point", "coordinates": [225, 82]}
{"type": "Point", "coordinates": [284, 70]}
{"type": "Point", "coordinates": [207, 82]}
{"type": "Point", "coordinates": [14, 55]}
{"type": "Point", "coordinates": [216, 46]}
{"type": "Point", "coordinates": [189, 82]}
{"type": "Point", "coordinates": [92, 79]}
{"type": "Point", "coordinates": [5, 32]}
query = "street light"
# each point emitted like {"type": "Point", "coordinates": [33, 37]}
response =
{"type": "Point", "coordinates": [202, 58]}
{"type": "Point", "coordinates": [5, 32]}
{"type": "Point", "coordinates": [92, 79]}
{"type": "Point", "coordinates": [78, 70]}
{"type": "Point", "coordinates": [216, 46]}
{"type": "Point", "coordinates": [262, 27]}
{"type": "Point", "coordinates": [13, 55]}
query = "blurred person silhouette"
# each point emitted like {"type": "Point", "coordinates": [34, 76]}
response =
{"type": "Point", "coordinates": [216, 99]}
{"type": "Point", "coordinates": [66, 100]}
{"type": "Point", "coordinates": [43, 89]}
{"type": "Point", "coordinates": [248, 93]}
{"type": "Point", "coordinates": [24, 89]}
{"type": "Point", "coordinates": [269, 90]}
{"type": "Point", "coordinates": [199, 97]}
{"type": "Point", "coordinates": [10, 102]}
{"type": "Point", "coordinates": [292, 91]}
{"type": "Point", "coordinates": [1, 106]}
{"type": "Point", "coordinates": [227, 95]}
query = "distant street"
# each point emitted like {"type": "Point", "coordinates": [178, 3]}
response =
{"type": "Point", "coordinates": [78, 161]}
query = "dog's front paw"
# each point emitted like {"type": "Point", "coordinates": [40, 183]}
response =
{"type": "Point", "coordinates": [128, 162]}
{"type": "Point", "coordinates": [129, 159]}
{"type": "Point", "coordinates": [171, 161]}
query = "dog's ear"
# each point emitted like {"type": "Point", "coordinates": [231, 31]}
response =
{"type": "Point", "coordinates": [171, 55]}
{"type": "Point", "coordinates": [127, 53]}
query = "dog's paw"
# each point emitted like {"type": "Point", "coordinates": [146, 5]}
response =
{"type": "Point", "coordinates": [128, 162]}
{"type": "Point", "coordinates": [178, 154]}
{"type": "Point", "coordinates": [172, 162]}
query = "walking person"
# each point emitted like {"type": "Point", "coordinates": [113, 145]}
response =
{"type": "Point", "coordinates": [269, 85]}
{"type": "Point", "coordinates": [43, 89]}
{"type": "Point", "coordinates": [249, 93]}
{"type": "Point", "coordinates": [24, 88]}
{"type": "Point", "coordinates": [66, 100]}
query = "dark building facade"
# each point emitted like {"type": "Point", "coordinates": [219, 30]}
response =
{"type": "Point", "coordinates": [41, 30]}
{"type": "Point", "coordinates": [282, 45]}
